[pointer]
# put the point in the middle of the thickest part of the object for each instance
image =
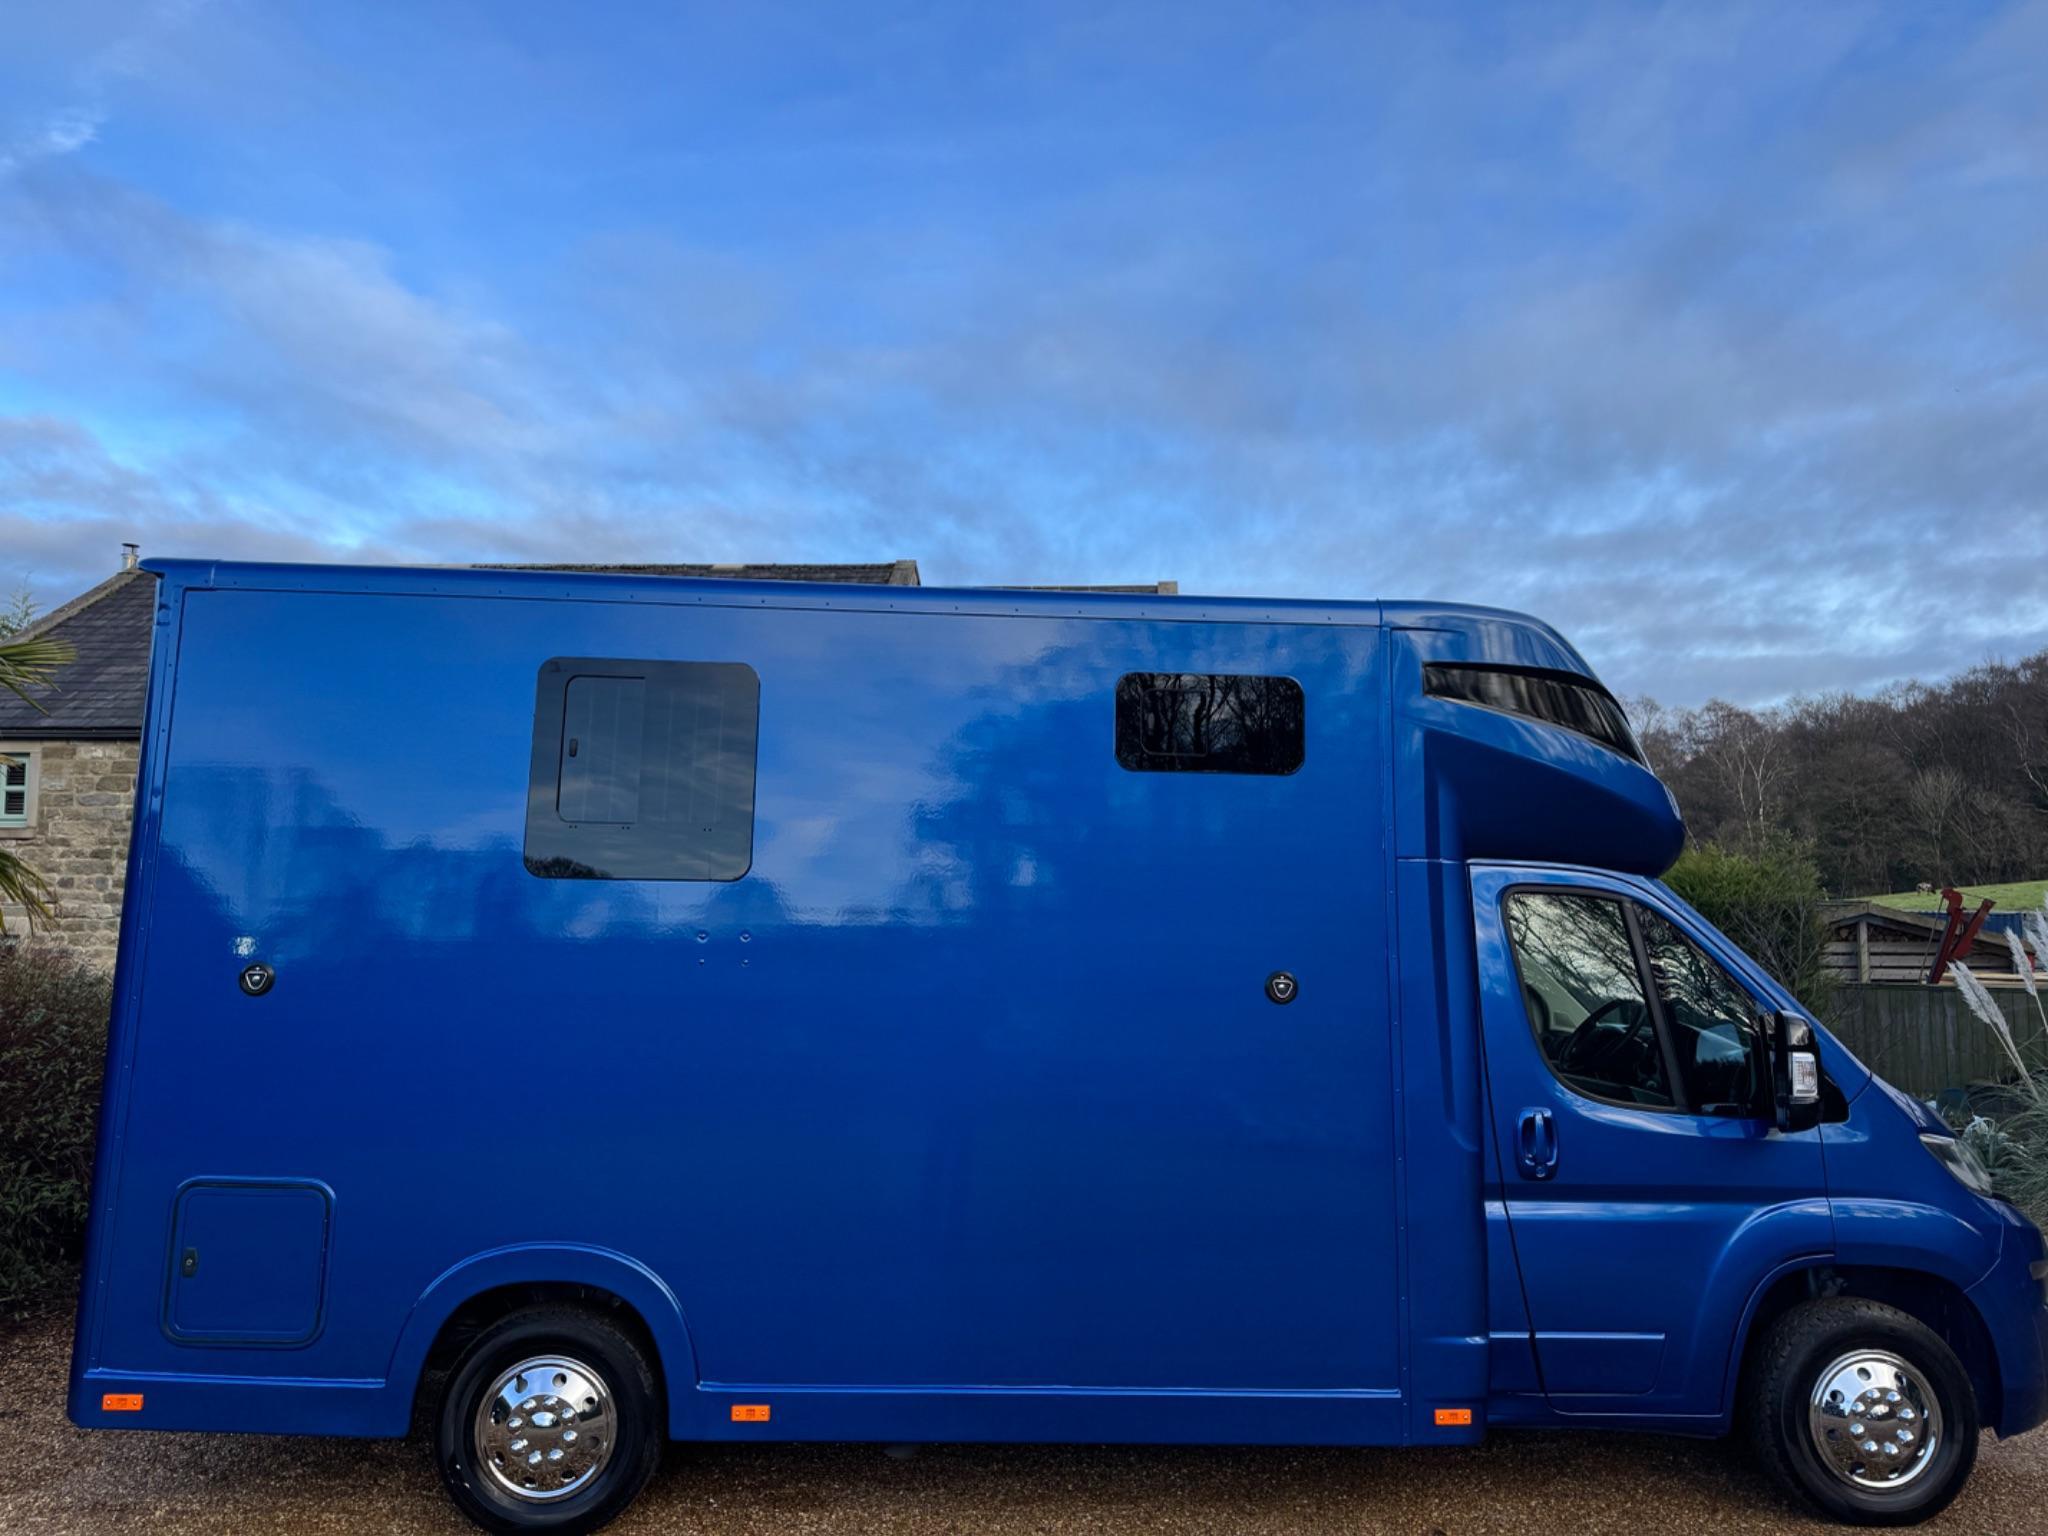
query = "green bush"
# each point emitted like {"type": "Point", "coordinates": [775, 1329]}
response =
{"type": "Point", "coordinates": [1769, 903]}
{"type": "Point", "coordinates": [53, 1042]}
{"type": "Point", "coordinates": [2020, 1169]}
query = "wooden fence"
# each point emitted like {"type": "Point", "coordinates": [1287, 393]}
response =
{"type": "Point", "coordinates": [1923, 1039]}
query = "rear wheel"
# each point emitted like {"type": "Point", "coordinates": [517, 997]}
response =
{"type": "Point", "coordinates": [1863, 1410]}
{"type": "Point", "coordinates": [551, 1421]}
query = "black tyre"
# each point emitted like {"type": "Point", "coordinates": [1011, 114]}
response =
{"type": "Point", "coordinates": [551, 1421]}
{"type": "Point", "coordinates": [1862, 1410]}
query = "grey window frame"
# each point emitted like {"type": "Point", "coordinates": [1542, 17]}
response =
{"type": "Point", "coordinates": [30, 754]}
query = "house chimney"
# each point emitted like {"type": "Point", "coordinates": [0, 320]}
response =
{"type": "Point", "coordinates": [130, 554]}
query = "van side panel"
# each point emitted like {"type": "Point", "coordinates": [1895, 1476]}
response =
{"type": "Point", "coordinates": [969, 1089]}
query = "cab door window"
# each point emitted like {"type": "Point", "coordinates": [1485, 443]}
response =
{"type": "Point", "coordinates": [1712, 1022]}
{"type": "Point", "coordinates": [1583, 988]}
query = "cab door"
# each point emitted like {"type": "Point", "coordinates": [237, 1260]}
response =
{"type": "Point", "coordinates": [1645, 1189]}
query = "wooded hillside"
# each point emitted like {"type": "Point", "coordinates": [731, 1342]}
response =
{"type": "Point", "coordinates": [1944, 782]}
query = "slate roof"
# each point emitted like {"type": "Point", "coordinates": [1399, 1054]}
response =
{"type": "Point", "coordinates": [890, 573]}
{"type": "Point", "coordinates": [99, 696]}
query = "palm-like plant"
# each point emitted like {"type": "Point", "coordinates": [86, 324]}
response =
{"type": "Point", "coordinates": [26, 664]}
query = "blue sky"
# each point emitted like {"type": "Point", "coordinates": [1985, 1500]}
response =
{"type": "Point", "coordinates": [1718, 335]}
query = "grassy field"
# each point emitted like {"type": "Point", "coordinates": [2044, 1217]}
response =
{"type": "Point", "coordinates": [2010, 898]}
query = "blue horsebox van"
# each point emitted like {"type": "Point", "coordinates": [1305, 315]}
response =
{"type": "Point", "coordinates": [600, 1010]}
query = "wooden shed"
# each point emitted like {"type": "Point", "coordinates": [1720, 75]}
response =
{"type": "Point", "coordinates": [1869, 942]}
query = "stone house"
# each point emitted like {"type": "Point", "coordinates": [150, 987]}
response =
{"type": "Point", "coordinates": [67, 789]}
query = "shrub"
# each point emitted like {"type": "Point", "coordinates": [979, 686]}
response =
{"type": "Point", "coordinates": [1769, 903]}
{"type": "Point", "coordinates": [53, 1041]}
{"type": "Point", "coordinates": [2021, 1169]}
{"type": "Point", "coordinates": [2015, 1148]}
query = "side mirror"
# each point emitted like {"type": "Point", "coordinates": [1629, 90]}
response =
{"type": "Point", "coordinates": [1795, 1072]}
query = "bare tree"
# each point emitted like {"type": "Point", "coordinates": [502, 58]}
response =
{"type": "Point", "coordinates": [1920, 782]}
{"type": "Point", "coordinates": [1747, 753]}
{"type": "Point", "coordinates": [1934, 799]}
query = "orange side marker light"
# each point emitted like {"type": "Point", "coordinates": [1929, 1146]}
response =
{"type": "Point", "coordinates": [750, 1413]}
{"type": "Point", "coordinates": [121, 1402]}
{"type": "Point", "coordinates": [1454, 1415]}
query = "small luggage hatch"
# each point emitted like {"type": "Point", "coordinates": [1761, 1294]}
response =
{"type": "Point", "coordinates": [248, 1262]}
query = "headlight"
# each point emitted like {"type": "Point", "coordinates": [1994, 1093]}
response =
{"type": "Point", "coordinates": [1958, 1159]}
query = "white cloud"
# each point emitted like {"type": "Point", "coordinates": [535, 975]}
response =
{"type": "Point", "coordinates": [54, 130]}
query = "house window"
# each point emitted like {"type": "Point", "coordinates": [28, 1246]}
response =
{"type": "Point", "coordinates": [642, 770]}
{"type": "Point", "coordinates": [18, 776]}
{"type": "Point", "coordinates": [1184, 722]}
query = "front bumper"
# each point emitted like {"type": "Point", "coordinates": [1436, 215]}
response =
{"type": "Point", "coordinates": [2013, 1301]}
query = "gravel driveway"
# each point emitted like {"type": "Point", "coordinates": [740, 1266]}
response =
{"type": "Point", "coordinates": [61, 1479]}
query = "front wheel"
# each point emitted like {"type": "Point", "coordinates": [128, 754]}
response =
{"type": "Point", "coordinates": [551, 1422]}
{"type": "Point", "coordinates": [1863, 1410]}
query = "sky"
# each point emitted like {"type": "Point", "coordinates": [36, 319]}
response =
{"type": "Point", "coordinates": [1717, 335]}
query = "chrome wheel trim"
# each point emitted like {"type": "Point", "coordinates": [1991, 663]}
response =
{"type": "Point", "coordinates": [1875, 1420]}
{"type": "Point", "coordinates": [546, 1428]}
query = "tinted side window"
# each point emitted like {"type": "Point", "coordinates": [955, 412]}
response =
{"type": "Point", "coordinates": [1192, 722]}
{"type": "Point", "coordinates": [1713, 1024]}
{"type": "Point", "coordinates": [642, 770]}
{"type": "Point", "coordinates": [1585, 996]}
{"type": "Point", "coordinates": [1576, 703]}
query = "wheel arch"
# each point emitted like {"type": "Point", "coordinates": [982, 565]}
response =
{"type": "Point", "coordinates": [486, 1286]}
{"type": "Point", "coordinates": [1931, 1299]}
